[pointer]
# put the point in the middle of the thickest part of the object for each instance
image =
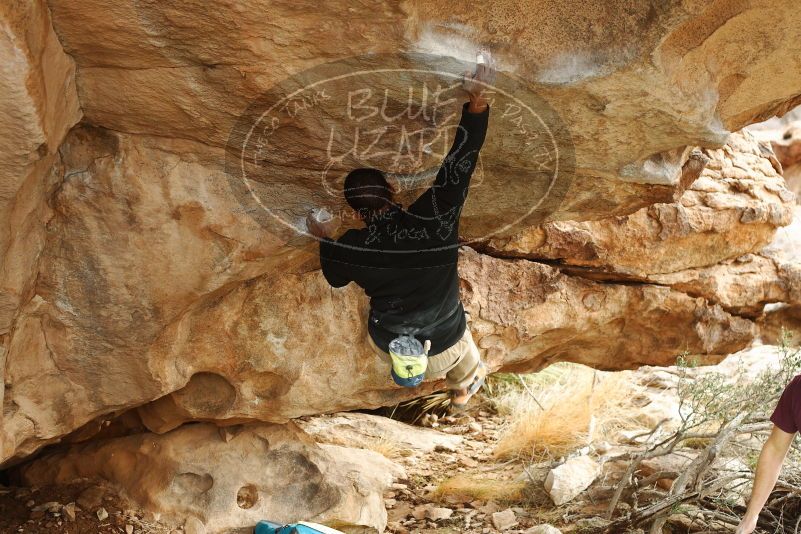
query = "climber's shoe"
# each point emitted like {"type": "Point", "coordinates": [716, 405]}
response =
{"type": "Point", "coordinates": [460, 397]}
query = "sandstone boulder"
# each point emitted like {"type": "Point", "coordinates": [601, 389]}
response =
{"type": "Point", "coordinates": [787, 145]}
{"type": "Point", "coordinates": [250, 353]}
{"type": "Point", "coordinates": [732, 206]}
{"type": "Point", "coordinates": [530, 307]}
{"type": "Point", "coordinates": [745, 285]}
{"type": "Point", "coordinates": [38, 107]}
{"type": "Point", "coordinates": [781, 323]}
{"type": "Point", "coordinates": [633, 104]}
{"type": "Point", "coordinates": [136, 284]}
{"type": "Point", "coordinates": [366, 431]}
{"type": "Point", "coordinates": [785, 252]}
{"type": "Point", "coordinates": [742, 286]}
{"type": "Point", "coordinates": [263, 471]}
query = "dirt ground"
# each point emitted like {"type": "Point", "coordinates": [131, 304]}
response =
{"type": "Point", "coordinates": [27, 509]}
{"type": "Point", "coordinates": [73, 509]}
{"type": "Point", "coordinates": [407, 503]}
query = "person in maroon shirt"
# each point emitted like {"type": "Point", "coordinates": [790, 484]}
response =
{"type": "Point", "coordinates": [786, 421]}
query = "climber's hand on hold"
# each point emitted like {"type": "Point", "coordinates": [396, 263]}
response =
{"type": "Point", "coordinates": [394, 183]}
{"type": "Point", "coordinates": [321, 229]}
{"type": "Point", "coordinates": [475, 83]}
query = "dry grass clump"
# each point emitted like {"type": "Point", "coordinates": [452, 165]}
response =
{"type": "Point", "coordinates": [503, 390]}
{"type": "Point", "coordinates": [697, 443]}
{"type": "Point", "coordinates": [468, 488]}
{"type": "Point", "coordinates": [385, 447]}
{"type": "Point", "coordinates": [582, 405]}
{"type": "Point", "coordinates": [413, 410]}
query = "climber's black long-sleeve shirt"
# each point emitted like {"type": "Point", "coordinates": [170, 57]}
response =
{"type": "Point", "coordinates": [406, 260]}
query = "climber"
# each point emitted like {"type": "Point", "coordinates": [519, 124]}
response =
{"type": "Point", "coordinates": [406, 259]}
{"type": "Point", "coordinates": [786, 421]}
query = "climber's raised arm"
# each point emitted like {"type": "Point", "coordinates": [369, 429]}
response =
{"type": "Point", "coordinates": [449, 190]}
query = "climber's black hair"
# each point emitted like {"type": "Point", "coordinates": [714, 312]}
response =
{"type": "Point", "coordinates": [367, 190]}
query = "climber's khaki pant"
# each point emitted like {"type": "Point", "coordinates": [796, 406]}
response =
{"type": "Point", "coordinates": [458, 363]}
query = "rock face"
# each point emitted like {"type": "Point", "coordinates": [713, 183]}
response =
{"type": "Point", "coordinates": [780, 265]}
{"type": "Point", "coordinates": [784, 252]}
{"type": "Point", "coordinates": [736, 201]}
{"type": "Point", "coordinates": [138, 288]}
{"type": "Point", "coordinates": [228, 360]}
{"type": "Point", "coordinates": [39, 106]}
{"type": "Point", "coordinates": [223, 343]}
{"type": "Point", "coordinates": [362, 430]}
{"type": "Point", "coordinates": [746, 284]}
{"type": "Point", "coordinates": [532, 308]}
{"type": "Point", "coordinates": [787, 145]}
{"type": "Point", "coordinates": [234, 478]}
{"type": "Point", "coordinates": [655, 91]}
{"type": "Point", "coordinates": [780, 324]}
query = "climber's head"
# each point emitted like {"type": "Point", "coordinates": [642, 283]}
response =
{"type": "Point", "coordinates": [367, 192]}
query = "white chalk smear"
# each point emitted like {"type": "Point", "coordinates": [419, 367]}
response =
{"type": "Point", "coordinates": [655, 170]}
{"type": "Point", "coordinates": [576, 66]}
{"type": "Point", "coordinates": [448, 44]}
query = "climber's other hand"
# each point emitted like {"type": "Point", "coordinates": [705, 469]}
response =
{"type": "Point", "coordinates": [321, 229]}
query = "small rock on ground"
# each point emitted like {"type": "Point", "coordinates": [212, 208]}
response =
{"type": "Point", "coordinates": [543, 529]}
{"type": "Point", "coordinates": [69, 511]}
{"type": "Point", "coordinates": [438, 514]}
{"type": "Point", "coordinates": [565, 482]}
{"type": "Point", "coordinates": [91, 497]}
{"type": "Point", "coordinates": [504, 520]}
